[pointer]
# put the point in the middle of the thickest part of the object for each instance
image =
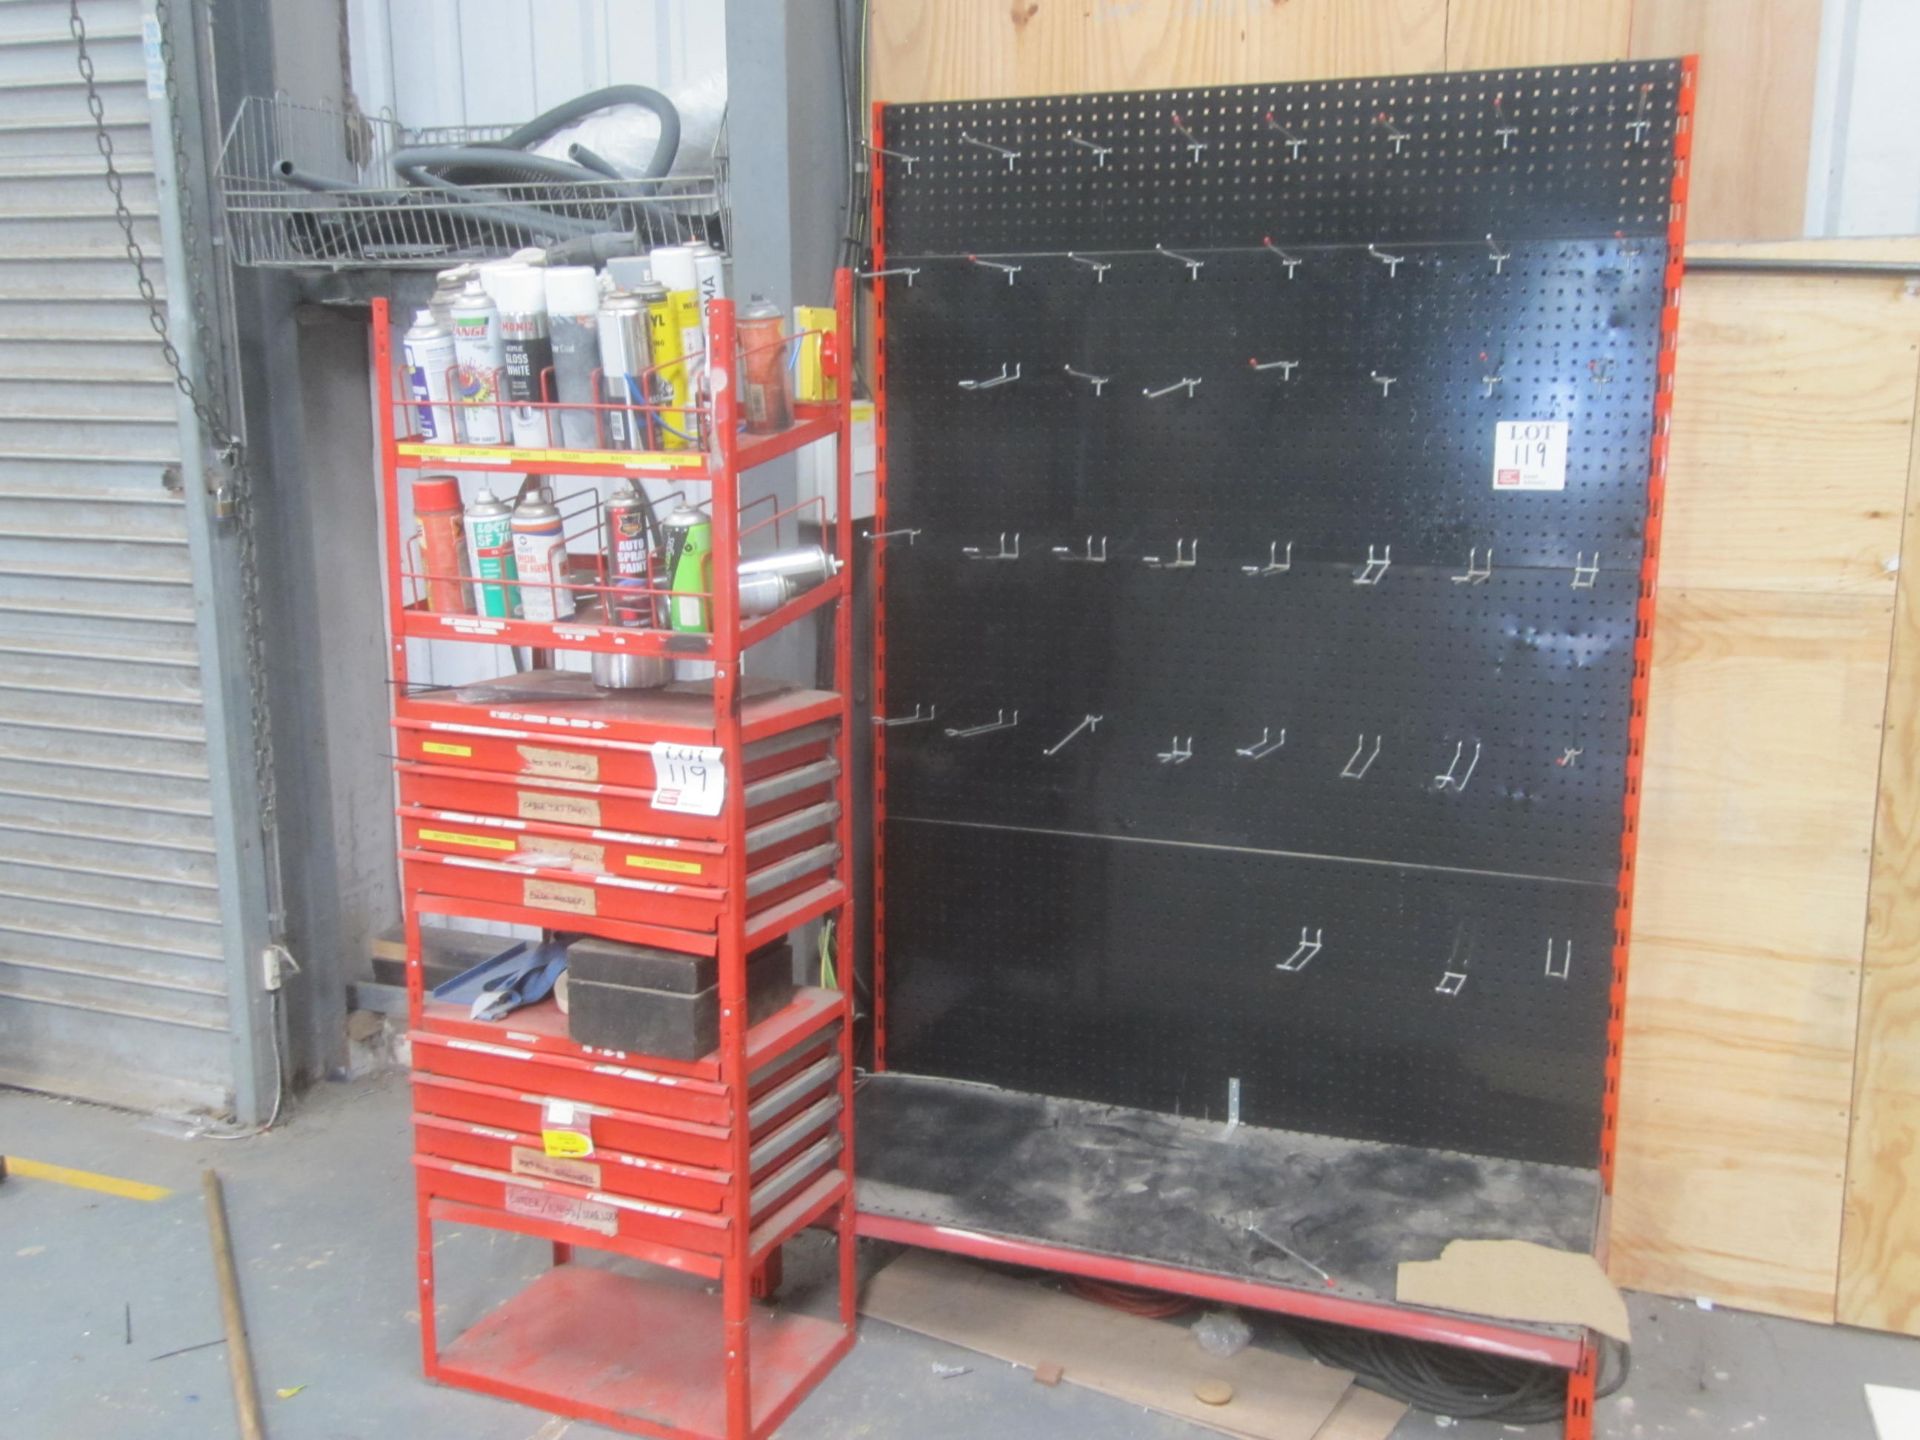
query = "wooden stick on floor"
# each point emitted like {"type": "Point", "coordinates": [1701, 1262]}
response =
{"type": "Point", "coordinates": [246, 1393]}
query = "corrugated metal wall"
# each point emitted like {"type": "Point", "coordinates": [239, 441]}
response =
{"type": "Point", "coordinates": [112, 984]}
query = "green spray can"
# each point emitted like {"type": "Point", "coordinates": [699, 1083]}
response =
{"type": "Point", "coordinates": [490, 538]}
{"type": "Point", "coordinates": [687, 543]}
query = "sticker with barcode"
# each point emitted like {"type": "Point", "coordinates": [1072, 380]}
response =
{"type": "Point", "coordinates": [1530, 455]}
{"type": "Point", "coordinates": [689, 778]}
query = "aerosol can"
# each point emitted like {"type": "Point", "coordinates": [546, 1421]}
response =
{"type": "Point", "coordinates": [490, 539]}
{"type": "Point", "coordinates": [522, 295]}
{"type": "Point", "coordinates": [428, 346]}
{"type": "Point", "coordinates": [686, 545]}
{"type": "Point", "coordinates": [540, 556]}
{"type": "Point", "coordinates": [479, 358]}
{"type": "Point", "coordinates": [623, 361]}
{"type": "Point", "coordinates": [627, 554]}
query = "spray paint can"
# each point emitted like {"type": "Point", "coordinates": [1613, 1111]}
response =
{"type": "Point", "coordinates": [623, 360]}
{"type": "Point", "coordinates": [529, 354]}
{"type": "Point", "coordinates": [686, 553]}
{"type": "Point", "coordinates": [447, 286]}
{"type": "Point", "coordinates": [573, 326]}
{"type": "Point", "coordinates": [630, 272]}
{"type": "Point", "coordinates": [673, 267]}
{"type": "Point", "coordinates": [428, 348]}
{"type": "Point", "coordinates": [540, 557]}
{"type": "Point", "coordinates": [766, 388]}
{"type": "Point", "coordinates": [443, 547]}
{"type": "Point", "coordinates": [627, 555]}
{"type": "Point", "coordinates": [478, 359]}
{"type": "Point", "coordinates": [710, 280]}
{"type": "Point", "coordinates": [672, 386]}
{"type": "Point", "coordinates": [490, 543]}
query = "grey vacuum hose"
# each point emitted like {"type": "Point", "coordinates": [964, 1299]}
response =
{"type": "Point", "coordinates": [507, 161]}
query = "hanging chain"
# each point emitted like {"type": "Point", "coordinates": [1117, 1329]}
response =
{"type": "Point", "coordinates": [233, 495]}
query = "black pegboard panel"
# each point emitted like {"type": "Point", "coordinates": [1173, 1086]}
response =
{"type": "Point", "coordinates": [1103, 924]}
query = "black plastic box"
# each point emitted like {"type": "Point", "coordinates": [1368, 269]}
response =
{"type": "Point", "coordinates": [676, 1023]}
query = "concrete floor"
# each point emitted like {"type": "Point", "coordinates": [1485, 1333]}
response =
{"type": "Point", "coordinates": [322, 1217]}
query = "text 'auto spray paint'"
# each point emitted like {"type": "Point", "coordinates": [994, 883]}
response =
{"type": "Point", "coordinates": [490, 540]}
{"type": "Point", "coordinates": [573, 327]}
{"type": "Point", "coordinates": [428, 347]}
{"type": "Point", "coordinates": [479, 357]}
{"type": "Point", "coordinates": [623, 361]}
{"type": "Point", "coordinates": [540, 555]}
{"type": "Point", "coordinates": [528, 351]}
{"type": "Point", "coordinates": [627, 554]}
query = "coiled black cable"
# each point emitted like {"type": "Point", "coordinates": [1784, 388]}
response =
{"type": "Point", "coordinates": [1458, 1383]}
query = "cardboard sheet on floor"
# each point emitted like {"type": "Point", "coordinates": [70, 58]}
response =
{"type": "Point", "coordinates": [1144, 1362]}
{"type": "Point", "coordinates": [1516, 1280]}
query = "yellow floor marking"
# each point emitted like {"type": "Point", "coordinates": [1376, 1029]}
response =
{"type": "Point", "coordinates": [85, 1180]}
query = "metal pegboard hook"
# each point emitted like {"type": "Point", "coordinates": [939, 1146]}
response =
{"type": "Point", "coordinates": [1385, 382]}
{"type": "Point", "coordinates": [1099, 382]}
{"type": "Point", "coordinates": [1452, 779]}
{"type": "Point", "coordinates": [909, 535]}
{"type": "Point", "coordinates": [1376, 566]}
{"type": "Point", "coordinates": [999, 722]}
{"type": "Point", "coordinates": [1005, 377]}
{"type": "Point", "coordinates": [1498, 256]}
{"type": "Point", "coordinates": [1185, 556]}
{"type": "Point", "coordinates": [1275, 565]}
{"type": "Point", "coordinates": [1086, 726]}
{"type": "Point", "coordinates": [974, 552]}
{"type": "Point", "coordinates": [1194, 143]}
{"type": "Point", "coordinates": [1292, 262]}
{"type": "Point", "coordinates": [1067, 552]}
{"type": "Point", "coordinates": [909, 160]}
{"type": "Point", "coordinates": [1263, 747]}
{"type": "Point", "coordinates": [1178, 753]}
{"type": "Point", "coordinates": [1585, 571]}
{"type": "Point", "coordinates": [1392, 262]}
{"type": "Point", "coordinates": [1478, 571]}
{"type": "Point", "coordinates": [1002, 266]}
{"type": "Point", "coordinates": [1099, 267]}
{"type": "Point", "coordinates": [1187, 384]}
{"type": "Point", "coordinates": [1294, 143]}
{"type": "Point", "coordinates": [1347, 772]}
{"type": "Point", "coordinates": [894, 722]}
{"type": "Point", "coordinates": [1562, 968]}
{"type": "Point", "coordinates": [1308, 947]}
{"type": "Point", "coordinates": [1285, 367]}
{"type": "Point", "coordinates": [1100, 152]}
{"type": "Point", "coordinates": [907, 270]}
{"type": "Point", "coordinates": [1008, 155]}
{"type": "Point", "coordinates": [1193, 265]}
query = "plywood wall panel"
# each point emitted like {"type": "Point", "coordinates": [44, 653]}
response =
{"type": "Point", "coordinates": [1753, 124]}
{"type": "Point", "coordinates": [1763, 739]}
{"type": "Point", "coordinates": [1880, 1242]}
{"type": "Point", "coordinates": [975, 49]}
{"type": "Point", "coordinates": [1792, 466]}
{"type": "Point", "coordinates": [1493, 34]}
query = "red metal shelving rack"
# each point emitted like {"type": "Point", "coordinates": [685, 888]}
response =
{"type": "Point", "coordinates": [700, 1169]}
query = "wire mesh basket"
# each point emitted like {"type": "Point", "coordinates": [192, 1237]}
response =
{"type": "Point", "coordinates": [316, 186]}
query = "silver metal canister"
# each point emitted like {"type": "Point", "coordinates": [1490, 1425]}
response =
{"type": "Point", "coordinates": [769, 581]}
{"type": "Point", "coordinates": [623, 362]}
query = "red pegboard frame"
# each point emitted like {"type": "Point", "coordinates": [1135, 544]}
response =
{"type": "Point", "coordinates": [1584, 1373]}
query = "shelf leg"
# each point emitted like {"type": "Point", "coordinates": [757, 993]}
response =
{"type": "Point", "coordinates": [1580, 1383]}
{"type": "Point", "coordinates": [429, 1330]}
{"type": "Point", "coordinates": [849, 1244]}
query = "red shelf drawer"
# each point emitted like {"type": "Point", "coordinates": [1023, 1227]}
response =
{"type": "Point", "coordinates": [577, 849]}
{"type": "Point", "coordinates": [576, 802]}
{"type": "Point", "coordinates": [563, 892]}
{"type": "Point", "coordinates": [593, 1212]}
{"type": "Point", "coordinates": [504, 750]}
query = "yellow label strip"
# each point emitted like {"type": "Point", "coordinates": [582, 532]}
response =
{"type": "Point", "coordinates": [679, 867]}
{"type": "Point", "coordinates": [454, 837]}
{"type": "Point", "coordinates": [504, 455]}
{"type": "Point", "coordinates": [86, 1180]}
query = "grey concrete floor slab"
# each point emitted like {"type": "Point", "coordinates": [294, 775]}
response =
{"type": "Point", "coordinates": [322, 1216]}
